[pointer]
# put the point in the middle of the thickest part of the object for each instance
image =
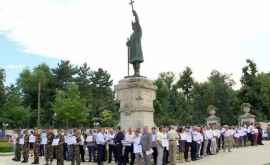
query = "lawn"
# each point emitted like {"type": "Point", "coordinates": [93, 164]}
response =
{"type": "Point", "coordinates": [5, 146]}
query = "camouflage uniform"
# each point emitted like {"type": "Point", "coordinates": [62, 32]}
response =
{"type": "Point", "coordinates": [36, 148]}
{"type": "Point", "coordinates": [49, 148]}
{"type": "Point", "coordinates": [60, 150]}
{"type": "Point", "coordinates": [76, 151]}
{"type": "Point", "coordinates": [26, 147]}
{"type": "Point", "coordinates": [18, 149]}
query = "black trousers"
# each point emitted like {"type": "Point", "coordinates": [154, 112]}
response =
{"type": "Point", "coordinates": [193, 150]}
{"type": "Point", "coordinates": [82, 153]}
{"type": "Point", "coordinates": [186, 151]}
{"type": "Point", "coordinates": [119, 155]}
{"type": "Point", "coordinates": [101, 154]}
{"type": "Point", "coordinates": [129, 151]}
{"type": "Point", "coordinates": [165, 156]}
{"type": "Point", "coordinates": [155, 154]}
{"type": "Point", "coordinates": [92, 152]}
{"type": "Point", "coordinates": [208, 151]}
{"type": "Point", "coordinates": [112, 152]}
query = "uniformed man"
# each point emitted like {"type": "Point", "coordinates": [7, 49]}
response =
{"type": "Point", "coordinates": [172, 137]}
{"type": "Point", "coordinates": [76, 159]}
{"type": "Point", "coordinates": [49, 147]}
{"type": "Point", "coordinates": [18, 147]}
{"type": "Point", "coordinates": [60, 148]}
{"type": "Point", "coordinates": [36, 146]}
{"type": "Point", "coordinates": [26, 147]}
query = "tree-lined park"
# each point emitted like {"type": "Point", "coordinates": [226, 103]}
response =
{"type": "Point", "coordinates": [71, 95]}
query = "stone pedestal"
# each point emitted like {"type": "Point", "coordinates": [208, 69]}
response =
{"type": "Point", "coordinates": [136, 96]}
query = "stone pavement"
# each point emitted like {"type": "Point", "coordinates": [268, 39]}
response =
{"type": "Point", "coordinates": [258, 155]}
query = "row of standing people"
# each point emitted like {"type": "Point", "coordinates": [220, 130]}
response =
{"type": "Point", "coordinates": [133, 146]}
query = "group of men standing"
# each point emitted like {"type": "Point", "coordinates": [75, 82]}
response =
{"type": "Point", "coordinates": [132, 146]}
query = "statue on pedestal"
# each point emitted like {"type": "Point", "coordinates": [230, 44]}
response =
{"type": "Point", "coordinates": [135, 53]}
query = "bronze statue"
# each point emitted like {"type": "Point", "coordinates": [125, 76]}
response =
{"type": "Point", "coordinates": [135, 54]}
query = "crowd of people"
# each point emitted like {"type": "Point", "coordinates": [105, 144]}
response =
{"type": "Point", "coordinates": [158, 146]}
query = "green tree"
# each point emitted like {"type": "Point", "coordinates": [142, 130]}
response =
{"type": "Point", "coordinates": [102, 94]}
{"type": "Point", "coordinates": [69, 107]}
{"type": "Point", "coordinates": [14, 112]}
{"type": "Point", "coordinates": [186, 83]}
{"type": "Point", "coordinates": [2, 87]}
{"type": "Point", "coordinates": [37, 87]}
{"type": "Point", "coordinates": [64, 74]}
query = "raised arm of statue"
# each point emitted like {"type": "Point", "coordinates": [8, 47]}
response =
{"type": "Point", "coordinates": [136, 16]}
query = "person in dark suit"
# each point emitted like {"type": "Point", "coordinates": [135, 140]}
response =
{"type": "Point", "coordinates": [118, 146]}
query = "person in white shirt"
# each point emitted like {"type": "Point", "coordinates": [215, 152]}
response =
{"type": "Point", "coordinates": [137, 148]}
{"type": "Point", "coordinates": [160, 148]}
{"type": "Point", "coordinates": [129, 136]}
{"type": "Point", "coordinates": [188, 139]}
{"type": "Point", "coordinates": [91, 146]}
{"type": "Point", "coordinates": [100, 140]}
{"type": "Point", "coordinates": [112, 151]}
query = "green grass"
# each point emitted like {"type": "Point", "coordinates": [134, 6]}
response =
{"type": "Point", "coordinates": [5, 146]}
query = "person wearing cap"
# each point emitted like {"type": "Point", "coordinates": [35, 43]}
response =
{"type": "Point", "coordinates": [18, 147]}
{"type": "Point", "coordinates": [26, 147]}
{"type": "Point", "coordinates": [36, 146]}
{"type": "Point", "coordinates": [172, 137]}
{"type": "Point", "coordinates": [49, 147]}
{"type": "Point", "coordinates": [76, 159]}
{"type": "Point", "coordinates": [60, 148]}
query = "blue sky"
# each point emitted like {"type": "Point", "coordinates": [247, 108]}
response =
{"type": "Point", "coordinates": [204, 35]}
{"type": "Point", "coordinates": [14, 59]}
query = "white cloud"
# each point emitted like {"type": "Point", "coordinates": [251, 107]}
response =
{"type": "Point", "coordinates": [205, 35]}
{"type": "Point", "coordinates": [13, 66]}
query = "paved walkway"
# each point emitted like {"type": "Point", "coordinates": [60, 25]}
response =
{"type": "Point", "coordinates": [258, 155]}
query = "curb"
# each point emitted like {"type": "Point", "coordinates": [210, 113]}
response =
{"type": "Point", "coordinates": [6, 153]}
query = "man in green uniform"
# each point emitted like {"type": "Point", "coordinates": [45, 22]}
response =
{"type": "Point", "coordinates": [26, 147]}
{"type": "Point", "coordinates": [18, 147]}
{"type": "Point", "coordinates": [60, 148]}
{"type": "Point", "coordinates": [49, 147]}
{"type": "Point", "coordinates": [76, 148]}
{"type": "Point", "coordinates": [36, 146]}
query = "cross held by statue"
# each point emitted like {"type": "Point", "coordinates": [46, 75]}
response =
{"type": "Point", "coordinates": [131, 3]}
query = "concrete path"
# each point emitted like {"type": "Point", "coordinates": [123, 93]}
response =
{"type": "Point", "coordinates": [258, 155]}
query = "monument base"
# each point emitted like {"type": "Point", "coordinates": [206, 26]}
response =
{"type": "Point", "coordinates": [136, 96]}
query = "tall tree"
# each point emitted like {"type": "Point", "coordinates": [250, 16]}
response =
{"type": "Point", "coordinates": [14, 112]}
{"type": "Point", "coordinates": [69, 107]}
{"type": "Point", "coordinates": [102, 94]}
{"type": "Point", "coordinates": [37, 83]}
{"type": "Point", "coordinates": [64, 74]}
{"type": "Point", "coordinates": [2, 86]}
{"type": "Point", "coordinates": [186, 82]}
